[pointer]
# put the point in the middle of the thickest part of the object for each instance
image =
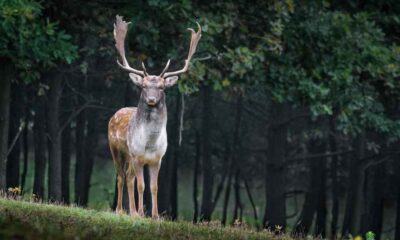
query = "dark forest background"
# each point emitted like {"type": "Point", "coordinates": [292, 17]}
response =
{"type": "Point", "coordinates": [288, 118]}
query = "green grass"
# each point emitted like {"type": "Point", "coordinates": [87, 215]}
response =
{"type": "Point", "coordinates": [27, 220]}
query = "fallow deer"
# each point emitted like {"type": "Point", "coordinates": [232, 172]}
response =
{"type": "Point", "coordinates": [137, 135]}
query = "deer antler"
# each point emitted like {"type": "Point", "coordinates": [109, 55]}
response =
{"type": "Point", "coordinates": [193, 45]}
{"type": "Point", "coordinates": [120, 30]}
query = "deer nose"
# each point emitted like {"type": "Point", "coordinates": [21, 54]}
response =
{"type": "Point", "coordinates": [151, 100]}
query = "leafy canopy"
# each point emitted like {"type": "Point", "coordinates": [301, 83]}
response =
{"type": "Point", "coordinates": [30, 42]}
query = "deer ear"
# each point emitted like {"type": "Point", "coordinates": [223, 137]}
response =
{"type": "Point", "coordinates": [171, 81]}
{"type": "Point", "coordinates": [136, 79]}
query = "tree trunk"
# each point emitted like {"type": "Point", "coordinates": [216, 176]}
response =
{"type": "Point", "coordinates": [25, 151]}
{"type": "Point", "coordinates": [195, 178]}
{"type": "Point", "coordinates": [397, 224]}
{"type": "Point", "coordinates": [39, 134]}
{"type": "Point", "coordinates": [232, 156]}
{"type": "Point", "coordinates": [66, 147]}
{"type": "Point", "coordinates": [147, 204]}
{"type": "Point", "coordinates": [238, 209]}
{"type": "Point", "coordinates": [320, 222]}
{"type": "Point", "coordinates": [80, 148]}
{"type": "Point", "coordinates": [4, 118]}
{"type": "Point", "coordinates": [275, 210]}
{"type": "Point", "coordinates": [352, 216]}
{"type": "Point", "coordinates": [53, 128]}
{"type": "Point", "coordinates": [164, 183]}
{"type": "Point", "coordinates": [374, 197]}
{"type": "Point", "coordinates": [227, 195]}
{"type": "Point", "coordinates": [207, 166]}
{"type": "Point", "coordinates": [16, 115]}
{"type": "Point", "coordinates": [334, 169]}
{"type": "Point", "coordinates": [86, 150]}
{"type": "Point", "coordinates": [66, 162]}
{"type": "Point", "coordinates": [311, 201]}
{"type": "Point", "coordinates": [175, 160]}
{"type": "Point", "coordinates": [174, 184]}
{"type": "Point", "coordinates": [253, 205]}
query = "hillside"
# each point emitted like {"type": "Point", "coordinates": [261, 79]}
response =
{"type": "Point", "coordinates": [27, 220]}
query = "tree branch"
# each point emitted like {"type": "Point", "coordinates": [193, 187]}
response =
{"type": "Point", "coordinates": [318, 155]}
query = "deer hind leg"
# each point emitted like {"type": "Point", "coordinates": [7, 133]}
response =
{"type": "Point", "coordinates": [140, 185]}
{"type": "Point", "coordinates": [130, 181]}
{"type": "Point", "coordinates": [154, 169]}
{"type": "Point", "coordinates": [119, 167]}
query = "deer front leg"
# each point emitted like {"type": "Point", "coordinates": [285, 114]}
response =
{"type": "Point", "coordinates": [154, 169]}
{"type": "Point", "coordinates": [130, 182]}
{"type": "Point", "coordinates": [140, 185]}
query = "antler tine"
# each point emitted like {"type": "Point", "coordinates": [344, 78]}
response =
{"type": "Point", "coordinates": [120, 30]}
{"type": "Point", "coordinates": [166, 68]}
{"type": "Point", "coordinates": [192, 49]}
{"type": "Point", "coordinates": [144, 69]}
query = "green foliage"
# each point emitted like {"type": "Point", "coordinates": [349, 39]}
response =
{"type": "Point", "coordinates": [370, 235]}
{"type": "Point", "coordinates": [42, 221]}
{"type": "Point", "coordinates": [338, 63]}
{"type": "Point", "coordinates": [304, 53]}
{"type": "Point", "coordinates": [31, 42]}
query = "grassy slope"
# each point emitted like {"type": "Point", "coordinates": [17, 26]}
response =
{"type": "Point", "coordinates": [25, 220]}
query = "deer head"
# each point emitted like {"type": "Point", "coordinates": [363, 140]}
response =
{"type": "Point", "coordinates": [153, 86]}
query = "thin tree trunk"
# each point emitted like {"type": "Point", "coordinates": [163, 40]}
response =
{"type": "Point", "coordinates": [25, 135]}
{"type": "Point", "coordinates": [220, 188]}
{"type": "Point", "coordinates": [164, 183]}
{"type": "Point", "coordinates": [275, 210]}
{"type": "Point", "coordinates": [25, 152]}
{"type": "Point", "coordinates": [66, 148]}
{"type": "Point", "coordinates": [14, 157]}
{"type": "Point", "coordinates": [334, 169]}
{"type": "Point", "coordinates": [84, 166]}
{"type": "Point", "coordinates": [306, 218]}
{"type": "Point", "coordinates": [175, 160]}
{"type": "Point", "coordinates": [352, 216]}
{"type": "Point", "coordinates": [238, 203]}
{"type": "Point", "coordinates": [232, 156]}
{"type": "Point", "coordinates": [39, 134]}
{"type": "Point", "coordinates": [80, 146]}
{"type": "Point", "coordinates": [227, 195]}
{"type": "Point", "coordinates": [66, 161]}
{"type": "Point", "coordinates": [373, 209]}
{"type": "Point", "coordinates": [195, 178]}
{"type": "Point", "coordinates": [147, 193]}
{"type": "Point", "coordinates": [5, 84]}
{"type": "Point", "coordinates": [91, 145]}
{"type": "Point", "coordinates": [54, 170]}
{"type": "Point", "coordinates": [253, 205]}
{"type": "Point", "coordinates": [397, 224]}
{"type": "Point", "coordinates": [207, 166]}
{"type": "Point", "coordinates": [320, 222]}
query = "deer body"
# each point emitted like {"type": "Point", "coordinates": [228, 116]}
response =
{"type": "Point", "coordinates": [144, 136]}
{"type": "Point", "coordinates": [138, 136]}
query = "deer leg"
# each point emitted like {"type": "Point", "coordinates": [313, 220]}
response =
{"type": "Point", "coordinates": [140, 185]}
{"type": "Point", "coordinates": [120, 179]}
{"type": "Point", "coordinates": [154, 169]}
{"type": "Point", "coordinates": [120, 183]}
{"type": "Point", "coordinates": [130, 181]}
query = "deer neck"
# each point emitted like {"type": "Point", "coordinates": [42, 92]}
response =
{"type": "Point", "coordinates": [152, 116]}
